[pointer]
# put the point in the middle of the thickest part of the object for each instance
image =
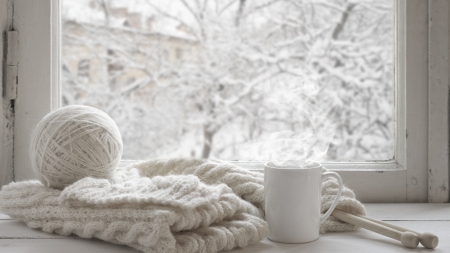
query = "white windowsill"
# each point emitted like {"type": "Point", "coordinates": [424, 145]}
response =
{"type": "Point", "coordinates": [16, 237]}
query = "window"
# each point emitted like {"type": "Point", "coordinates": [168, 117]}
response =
{"type": "Point", "coordinates": [248, 74]}
{"type": "Point", "coordinates": [419, 135]}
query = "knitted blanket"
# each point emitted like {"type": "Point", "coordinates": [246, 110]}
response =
{"type": "Point", "coordinates": [178, 205]}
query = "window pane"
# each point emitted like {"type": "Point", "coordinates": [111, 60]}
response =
{"type": "Point", "coordinates": [232, 79]}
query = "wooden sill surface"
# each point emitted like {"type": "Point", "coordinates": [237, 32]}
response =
{"type": "Point", "coordinates": [16, 237]}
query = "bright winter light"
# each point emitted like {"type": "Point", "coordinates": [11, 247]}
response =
{"type": "Point", "coordinates": [236, 79]}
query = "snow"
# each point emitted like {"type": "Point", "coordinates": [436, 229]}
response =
{"type": "Point", "coordinates": [290, 80]}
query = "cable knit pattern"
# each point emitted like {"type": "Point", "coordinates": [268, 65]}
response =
{"type": "Point", "coordinates": [347, 203]}
{"type": "Point", "coordinates": [178, 205]}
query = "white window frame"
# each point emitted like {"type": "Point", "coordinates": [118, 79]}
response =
{"type": "Point", "coordinates": [419, 172]}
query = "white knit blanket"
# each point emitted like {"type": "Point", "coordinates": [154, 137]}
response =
{"type": "Point", "coordinates": [178, 205]}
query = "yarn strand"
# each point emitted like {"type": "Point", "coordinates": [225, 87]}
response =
{"type": "Point", "coordinates": [74, 142]}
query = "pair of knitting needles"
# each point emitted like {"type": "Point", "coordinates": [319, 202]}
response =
{"type": "Point", "coordinates": [407, 237]}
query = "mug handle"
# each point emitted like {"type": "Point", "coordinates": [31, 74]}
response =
{"type": "Point", "coordinates": [335, 175]}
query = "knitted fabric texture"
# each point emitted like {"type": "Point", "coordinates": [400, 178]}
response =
{"type": "Point", "coordinates": [178, 205]}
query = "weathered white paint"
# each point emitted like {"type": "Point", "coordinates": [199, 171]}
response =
{"type": "Point", "coordinates": [399, 83]}
{"type": "Point", "coordinates": [38, 24]}
{"type": "Point", "coordinates": [438, 102]}
{"type": "Point", "coordinates": [10, 83]}
{"type": "Point", "coordinates": [412, 96]}
{"type": "Point", "coordinates": [410, 211]}
{"type": "Point", "coordinates": [6, 115]}
{"type": "Point", "coordinates": [376, 186]}
{"type": "Point", "coordinates": [12, 62]}
{"type": "Point", "coordinates": [12, 48]}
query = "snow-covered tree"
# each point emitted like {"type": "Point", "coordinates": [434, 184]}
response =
{"type": "Point", "coordinates": [203, 78]}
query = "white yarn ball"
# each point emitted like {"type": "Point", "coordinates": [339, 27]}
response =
{"type": "Point", "coordinates": [74, 142]}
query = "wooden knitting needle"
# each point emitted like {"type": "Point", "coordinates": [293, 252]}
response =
{"type": "Point", "coordinates": [428, 240]}
{"type": "Point", "coordinates": [408, 239]}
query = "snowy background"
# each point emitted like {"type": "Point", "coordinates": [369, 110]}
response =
{"type": "Point", "coordinates": [236, 79]}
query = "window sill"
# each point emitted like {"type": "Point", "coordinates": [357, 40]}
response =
{"type": "Point", "coordinates": [16, 237]}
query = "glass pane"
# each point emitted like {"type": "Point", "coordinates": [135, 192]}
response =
{"type": "Point", "coordinates": [236, 79]}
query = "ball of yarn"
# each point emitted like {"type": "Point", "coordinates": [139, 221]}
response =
{"type": "Point", "coordinates": [74, 142]}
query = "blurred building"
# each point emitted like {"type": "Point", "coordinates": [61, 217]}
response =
{"type": "Point", "coordinates": [120, 48]}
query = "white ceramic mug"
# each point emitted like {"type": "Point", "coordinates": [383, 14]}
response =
{"type": "Point", "coordinates": [293, 199]}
